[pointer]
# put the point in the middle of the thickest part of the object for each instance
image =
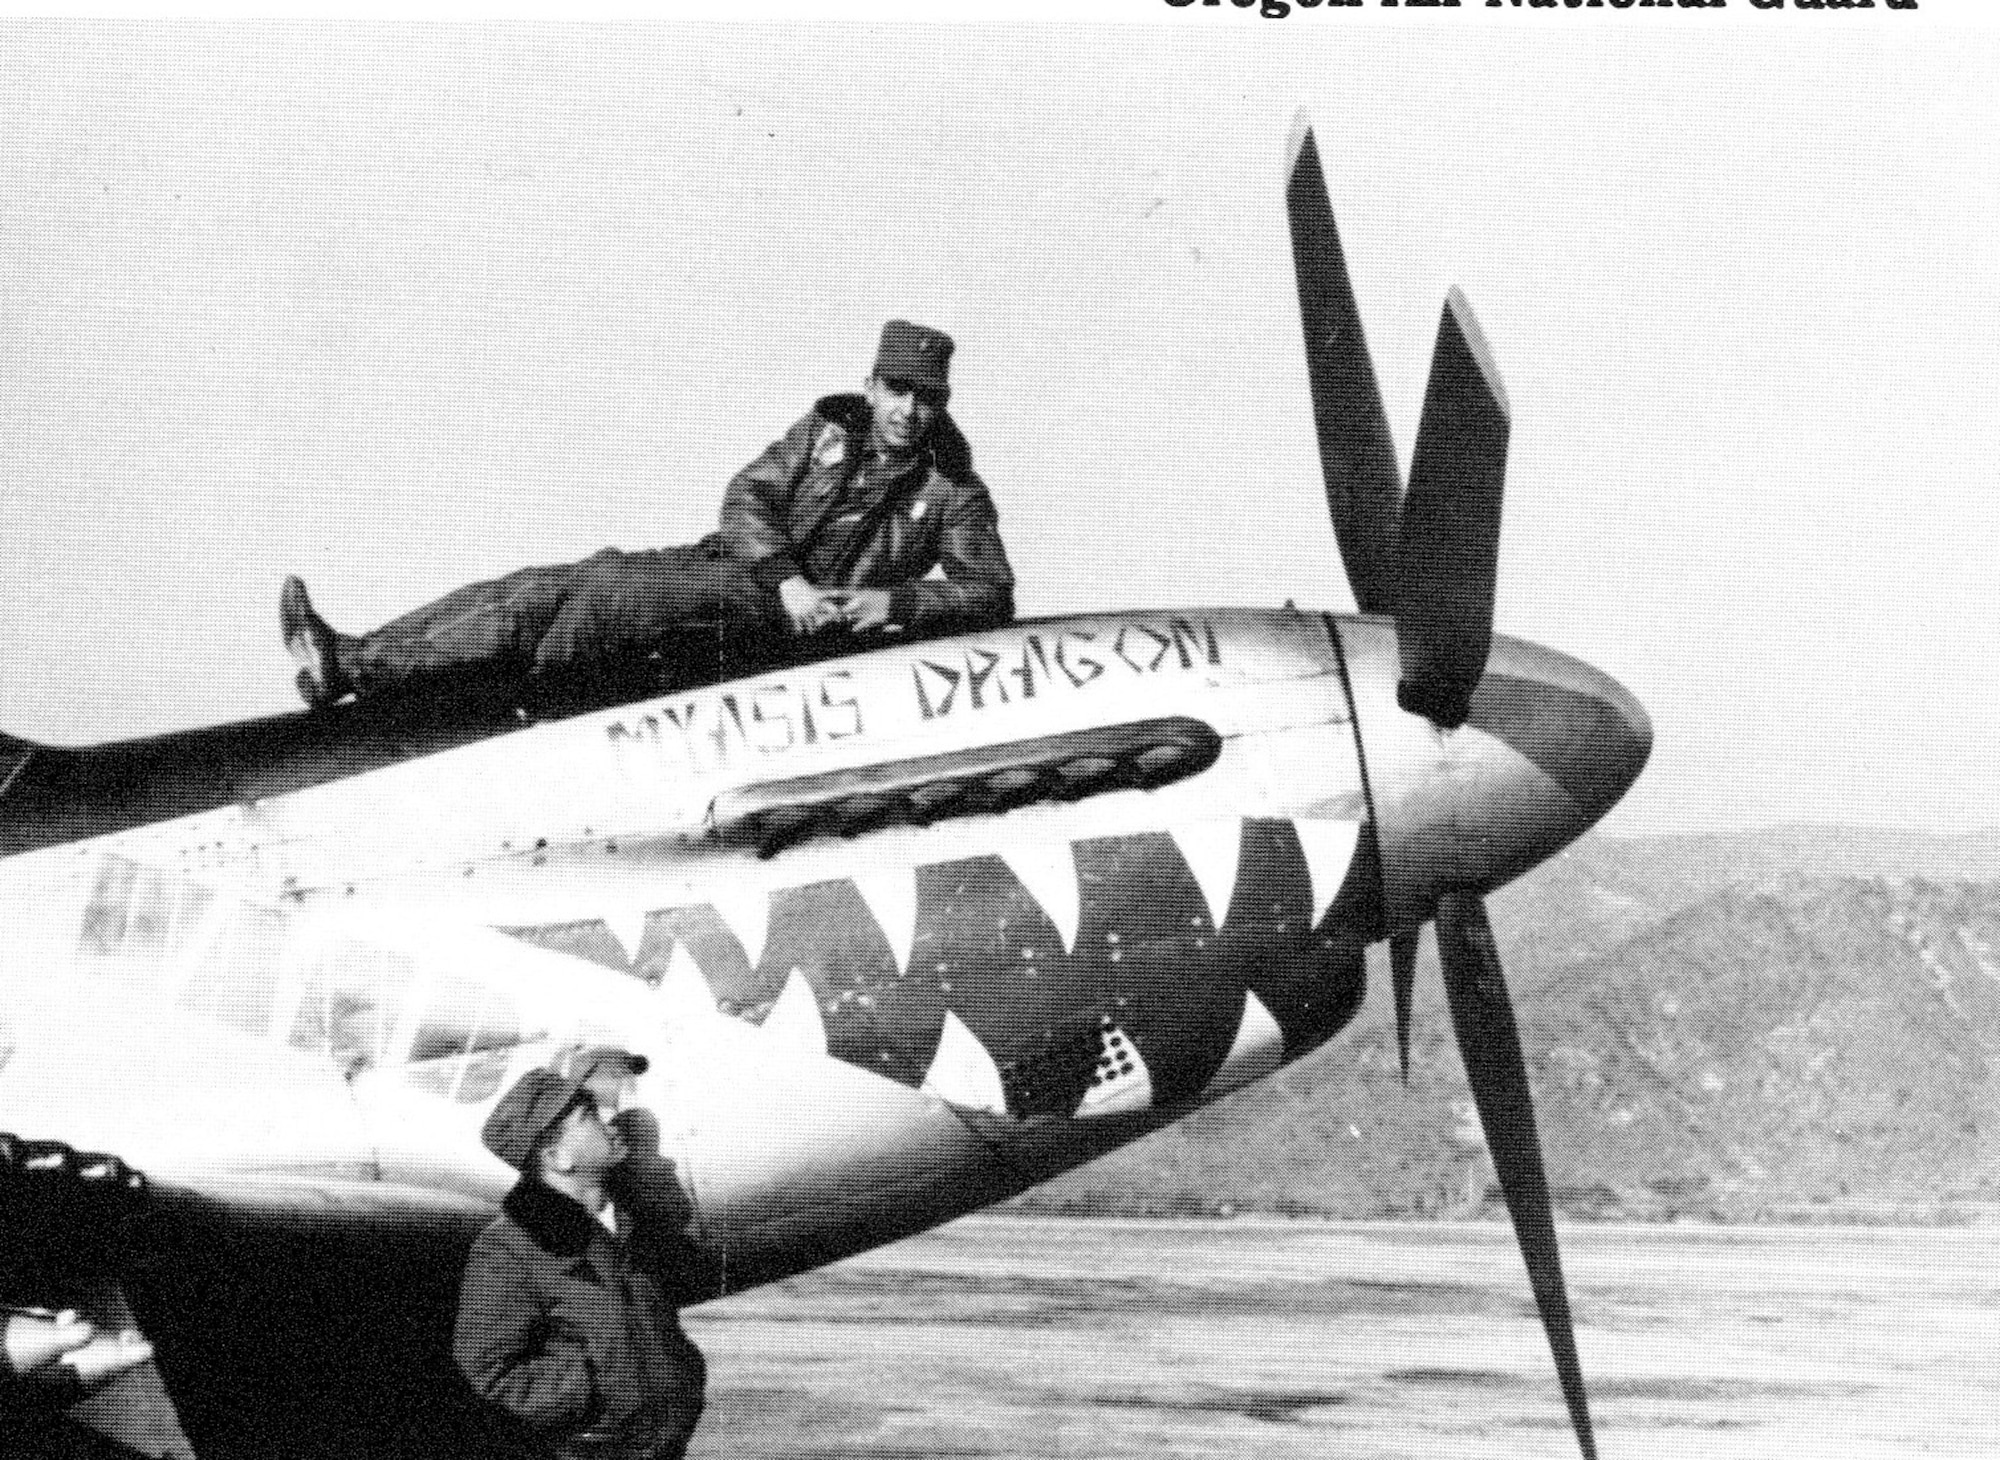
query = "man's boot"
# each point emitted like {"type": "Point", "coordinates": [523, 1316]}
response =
{"type": "Point", "coordinates": [311, 641]}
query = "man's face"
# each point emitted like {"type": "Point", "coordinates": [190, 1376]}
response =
{"type": "Point", "coordinates": [582, 1145]}
{"type": "Point", "coordinates": [903, 413]}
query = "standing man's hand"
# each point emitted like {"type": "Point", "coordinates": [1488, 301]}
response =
{"type": "Point", "coordinates": [810, 609]}
{"type": "Point", "coordinates": [865, 609]}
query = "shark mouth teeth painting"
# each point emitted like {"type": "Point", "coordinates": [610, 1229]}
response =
{"type": "Point", "coordinates": [1089, 978]}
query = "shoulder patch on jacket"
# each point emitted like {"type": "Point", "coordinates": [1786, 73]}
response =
{"type": "Point", "coordinates": [831, 447]}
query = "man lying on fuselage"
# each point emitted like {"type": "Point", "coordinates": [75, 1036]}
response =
{"type": "Point", "coordinates": [834, 529]}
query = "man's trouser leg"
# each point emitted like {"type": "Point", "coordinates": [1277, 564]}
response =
{"type": "Point", "coordinates": [497, 624]}
{"type": "Point", "coordinates": [622, 604]}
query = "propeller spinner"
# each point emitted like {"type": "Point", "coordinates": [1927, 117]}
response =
{"type": "Point", "coordinates": [1571, 738]}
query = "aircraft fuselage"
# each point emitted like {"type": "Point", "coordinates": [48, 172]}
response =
{"type": "Point", "coordinates": [905, 931]}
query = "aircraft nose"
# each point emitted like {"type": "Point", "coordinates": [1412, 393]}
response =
{"type": "Point", "coordinates": [1576, 725]}
{"type": "Point", "coordinates": [1551, 745]}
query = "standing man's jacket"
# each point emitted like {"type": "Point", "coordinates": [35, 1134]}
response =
{"type": "Point", "coordinates": [557, 1327]}
{"type": "Point", "coordinates": [814, 504]}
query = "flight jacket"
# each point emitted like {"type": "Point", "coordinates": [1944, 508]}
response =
{"type": "Point", "coordinates": [815, 504]}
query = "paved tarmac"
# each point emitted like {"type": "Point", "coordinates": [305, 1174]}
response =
{"type": "Point", "coordinates": [1037, 1338]}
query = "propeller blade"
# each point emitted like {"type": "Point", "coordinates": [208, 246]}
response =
{"type": "Point", "coordinates": [1483, 1016]}
{"type": "Point", "coordinates": [1357, 458]}
{"type": "Point", "coordinates": [1403, 978]}
{"type": "Point", "coordinates": [1449, 541]}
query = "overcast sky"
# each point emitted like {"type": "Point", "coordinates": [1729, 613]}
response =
{"type": "Point", "coordinates": [397, 308]}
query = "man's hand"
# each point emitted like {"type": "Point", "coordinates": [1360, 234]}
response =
{"type": "Point", "coordinates": [34, 1337]}
{"type": "Point", "coordinates": [107, 1356]}
{"type": "Point", "coordinates": [810, 609]}
{"type": "Point", "coordinates": [865, 609]}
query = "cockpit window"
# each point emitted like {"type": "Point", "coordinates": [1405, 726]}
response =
{"type": "Point", "coordinates": [463, 1040]}
{"type": "Point", "coordinates": [347, 1003]}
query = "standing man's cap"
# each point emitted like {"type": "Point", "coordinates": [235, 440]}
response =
{"type": "Point", "coordinates": [915, 353]}
{"type": "Point", "coordinates": [531, 1105]}
{"type": "Point", "coordinates": [579, 1062]}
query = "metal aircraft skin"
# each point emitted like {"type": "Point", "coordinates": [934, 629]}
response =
{"type": "Point", "coordinates": [903, 933]}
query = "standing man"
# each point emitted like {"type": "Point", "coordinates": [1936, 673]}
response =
{"type": "Point", "coordinates": [557, 1325]}
{"type": "Point", "coordinates": [865, 518]}
{"type": "Point", "coordinates": [645, 1199]}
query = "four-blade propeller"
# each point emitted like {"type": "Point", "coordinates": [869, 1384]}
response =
{"type": "Point", "coordinates": [1426, 559]}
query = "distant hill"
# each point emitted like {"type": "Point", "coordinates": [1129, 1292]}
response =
{"type": "Point", "coordinates": [1604, 890]}
{"type": "Point", "coordinates": [1801, 1023]}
